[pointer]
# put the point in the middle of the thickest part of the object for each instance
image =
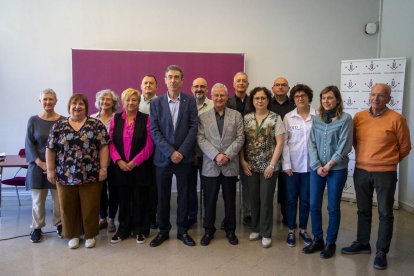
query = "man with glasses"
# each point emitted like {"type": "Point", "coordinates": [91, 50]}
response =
{"type": "Point", "coordinates": [220, 137]}
{"type": "Point", "coordinates": [281, 105]}
{"type": "Point", "coordinates": [174, 125]}
{"type": "Point", "coordinates": [240, 102]}
{"type": "Point", "coordinates": [381, 141]}
{"type": "Point", "coordinates": [199, 89]}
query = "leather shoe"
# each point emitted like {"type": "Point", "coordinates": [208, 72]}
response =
{"type": "Point", "coordinates": [316, 245]}
{"type": "Point", "coordinates": [159, 239]}
{"type": "Point", "coordinates": [328, 251]}
{"type": "Point", "coordinates": [206, 239]}
{"type": "Point", "coordinates": [232, 238]}
{"type": "Point", "coordinates": [186, 239]}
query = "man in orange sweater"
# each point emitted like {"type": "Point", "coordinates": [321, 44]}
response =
{"type": "Point", "coordinates": [381, 141]}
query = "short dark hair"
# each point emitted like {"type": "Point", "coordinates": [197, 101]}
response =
{"type": "Point", "coordinates": [79, 97]}
{"type": "Point", "coordinates": [175, 68]}
{"type": "Point", "coordinates": [300, 87]}
{"type": "Point", "coordinates": [151, 76]}
{"type": "Point", "coordinates": [258, 89]}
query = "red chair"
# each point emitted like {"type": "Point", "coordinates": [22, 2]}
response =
{"type": "Point", "coordinates": [17, 181]}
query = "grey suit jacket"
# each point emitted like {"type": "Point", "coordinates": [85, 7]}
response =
{"type": "Point", "coordinates": [211, 144]}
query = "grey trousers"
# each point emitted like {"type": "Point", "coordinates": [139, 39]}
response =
{"type": "Point", "coordinates": [262, 192]}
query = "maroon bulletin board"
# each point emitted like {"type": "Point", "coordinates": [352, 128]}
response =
{"type": "Point", "coordinates": [94, 70]}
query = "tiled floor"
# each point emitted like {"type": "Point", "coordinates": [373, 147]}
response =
{"type": "Point", "coordinates": [19, 256]}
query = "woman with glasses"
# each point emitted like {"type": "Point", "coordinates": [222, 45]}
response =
{"type": "Point", "coordinates": [264, 132]}
{"type": "Point", "coordinates": [329, 146]}
{"type": "Point", "coordinates": [295, 164]}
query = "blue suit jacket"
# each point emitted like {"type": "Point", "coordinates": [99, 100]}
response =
{"type": "Point", "coordinates": [167, 140]}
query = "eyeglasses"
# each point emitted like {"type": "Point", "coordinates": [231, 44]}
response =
{"type": "Point", "coordinates": [200, 86]}
{"type": "Point", "coordinates": [280, 85]}
{"type": "Point", "coordinates": [259, 98]}
{"type": "Point", "coordinates": [301, 96]}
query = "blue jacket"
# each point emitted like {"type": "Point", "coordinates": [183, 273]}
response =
{"type": "Point", "coordinates": [331, 141]}
{"type": "Point", "coordinates": [167, 140]}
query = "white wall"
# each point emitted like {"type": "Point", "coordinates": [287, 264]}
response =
{"type": "Point", "coordinates": [300, 39]}
{"type": "Point", "coordinates": [397, 40]}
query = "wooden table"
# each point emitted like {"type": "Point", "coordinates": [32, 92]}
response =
{"type": "Point", "coordinates": [11, 161]}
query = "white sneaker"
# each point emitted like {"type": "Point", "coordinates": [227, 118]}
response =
{"type": "Point", "coordinates": [254, 236]}
{"type": "Point", "coordinates": [90, 243]}
{"type": "Point", "coordinates": [73, 243]}
{"type": "Point", "coordinates": [266, 242]}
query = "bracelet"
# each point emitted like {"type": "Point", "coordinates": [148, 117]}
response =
{"type": "Point", "coordinates": [270, 165]}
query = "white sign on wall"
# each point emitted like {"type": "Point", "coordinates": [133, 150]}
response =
{"type": "Point", "coordinates": [357, 78]}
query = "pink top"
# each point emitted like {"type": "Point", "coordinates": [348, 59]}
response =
{"type": "Point", "coordinates": [127, 134]}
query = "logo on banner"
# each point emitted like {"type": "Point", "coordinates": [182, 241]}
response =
{"type": "Point", "coordinates": [370, 84]}
{"type": "Point", "coordinates": [350, 84]}
{"type": "Point", "coordinates": [393, 84]}
{"type": "Point", "coordinates": [372, 66]}
{"type": "Point", "coordinates": [349, 102]}
{"type": "Point", "coordinates": [393, 102]}
{"type": "Point", "coordinates": [351, 67]}
{"type": "Point", "coordinates": [394, 65]}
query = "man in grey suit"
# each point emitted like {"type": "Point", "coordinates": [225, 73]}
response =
{"type": "Point", "coordinates": [240, 102]}
{"type": "Point", "coordinates": [174, 123]}
{"type": "Point", "coordinates": [220, 137]}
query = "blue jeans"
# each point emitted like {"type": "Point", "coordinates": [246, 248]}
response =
{"type": "Point", "coordinates": [335, 181]}
{"type": "Point", "coordinates": [297, 186]}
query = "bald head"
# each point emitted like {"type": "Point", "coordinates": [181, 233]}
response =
{"type": "Point", "coordinates": [280, 87]}
{"type": "Point", "coordinates": [199, 89]}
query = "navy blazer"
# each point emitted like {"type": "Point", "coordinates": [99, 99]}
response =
{"type": "Point", "coordinates": [167, 140]}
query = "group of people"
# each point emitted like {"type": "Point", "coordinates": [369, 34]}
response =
{"type": "Point", "coordinates": [124, 162]}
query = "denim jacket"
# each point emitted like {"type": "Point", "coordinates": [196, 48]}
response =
{"type": "Point", "coordinates": [331, 141]}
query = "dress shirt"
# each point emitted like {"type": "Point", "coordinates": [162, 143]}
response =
{"type": "Point", "coordinates": [295, 152]}
{"type": "Point", "coordinates": [207, 105]}
{"type": "Point", "coordinates": [144, 105]}
{"type": "Point", "coordinates": [174, 108]}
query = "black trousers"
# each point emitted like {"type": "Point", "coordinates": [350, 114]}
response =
{"type": "Point", "coordinates": [384, 183]}
{"type": "Point", "coordinates": [192, 188]}
{"type": "Point", "coordinates": [134, 209]}
{"type": "Point", "coordinates": [211, 188]}
{"type": "Point", "coordinates": [109, 201]}
{"type": "Point", "coordinates": [163, 176]}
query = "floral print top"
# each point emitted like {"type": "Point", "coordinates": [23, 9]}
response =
{"type": "Point", "coordinates": [77, 152]}
{"type": "Point", "coordinates": [261, 140]}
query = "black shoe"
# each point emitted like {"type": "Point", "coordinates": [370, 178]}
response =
{"type": "Point", "coordinates": [247, 220]}
{"type": "Point", "coordinates": [159, 239]}
{"type": "Point", "coordinates": [328, 251]}
{"type": "Point", "coordinates": [380, 261]}
{"type": "Point", "coordinates": [186, 239]}
{"type": "Point", "coordinates": [223, 223]}
{"type": "Point", "coordinates": [36, 235]}
{"type": "Point", "coordinates": [191, 222]}
{"type": "Point", "coordinates": [232, 238]}
{"type": "Point", "coordinates": [206, 239]}
{"type": "Point", "coordinates": [357, 248]}
{"type": "Point", "coordinates": [59, 231]}
{"type": "Point", "coordinates": [316, 245]}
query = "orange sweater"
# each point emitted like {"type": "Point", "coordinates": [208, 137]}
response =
{"type": "Point", "coordinates": [380, 142]}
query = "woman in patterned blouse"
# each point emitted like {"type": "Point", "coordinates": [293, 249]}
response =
{"type": "Point", "coordinates": [264, 132]}
{"type": "Point", "coordinates": [76, 160]}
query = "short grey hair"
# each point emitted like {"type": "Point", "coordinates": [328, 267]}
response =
{"type": "Point", "coordinates": [103, 93]}
{"type": "Point", "coordinates": [175, 68]}
{"type": "Point", "coordinates": [219, 85]}
{"type": "Point", "coordinates": [48, 91]}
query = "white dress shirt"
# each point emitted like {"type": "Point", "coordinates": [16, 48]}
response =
{"type": "Point", "coordinates": [295, 151]}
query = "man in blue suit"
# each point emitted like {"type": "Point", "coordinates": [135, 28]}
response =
{"type": "Point", "coordinates": [174, 125]}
